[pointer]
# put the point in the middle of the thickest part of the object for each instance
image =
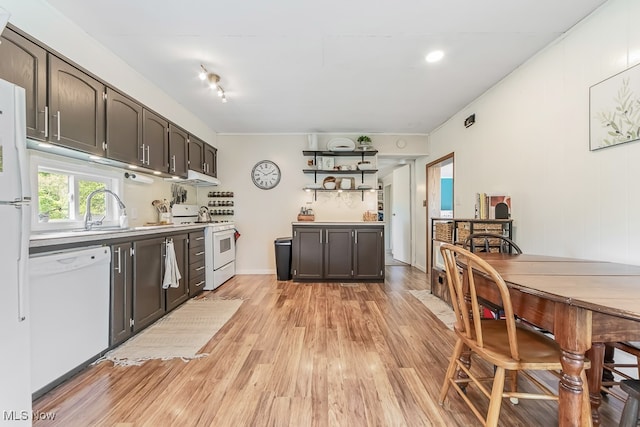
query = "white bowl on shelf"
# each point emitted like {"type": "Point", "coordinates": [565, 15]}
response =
{"type": "Point", "coordinates": [365, 166]}
{"type": "Point", "coordinates": [330, 185]}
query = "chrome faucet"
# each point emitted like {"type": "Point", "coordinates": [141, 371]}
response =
{"type": "Point", "coordinates": [88, 223]}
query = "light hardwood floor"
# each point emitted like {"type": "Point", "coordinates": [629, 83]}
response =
{"type": "Point", "coordinates": [321, 354]}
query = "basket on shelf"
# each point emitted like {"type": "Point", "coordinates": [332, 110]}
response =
{"type": "Point", "coordinates": [370, 216]}
{"type": "Point", "coordinates": [464, 231]}
{"type": "Point", "coordinates": [302, 217]}
{"type": "Point", "coordinates": [444, 231]}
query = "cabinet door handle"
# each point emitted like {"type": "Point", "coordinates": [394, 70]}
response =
{"type": "Point", "coordinates": [46, 121]}
{"type": "Point", "coordinates": [173, 163]}
{"type": "Point", "coordinates": [355, 237]}
{"type": "Point", "coordinates": [200, 253]}
{"type": "Point", "coordinates": [200, 283]}
{"type": "Point", "coordinates": [200, 268]}
{"type": "Point", "coordinates": [200, 238]}
{"type": "Point", "coordinates": [57, 116]}
{"type": "Point", "coordinates": [148, 154]}
{"type": "Point", "coordinates": [143, 154]}
{"type": "Point", "coordinates": [119, 266]}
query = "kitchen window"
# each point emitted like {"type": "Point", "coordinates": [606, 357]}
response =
{"type": "Point", "coordinates": [60, 189]}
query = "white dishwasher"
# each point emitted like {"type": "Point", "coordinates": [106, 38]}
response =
{"type": "Point", "coordinates": [69, 308]}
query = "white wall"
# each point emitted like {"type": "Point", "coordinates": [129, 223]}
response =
{"type": "Point", "coordinates": [261, 216]}
{"type": "Point", "coordinates": [531, 140]}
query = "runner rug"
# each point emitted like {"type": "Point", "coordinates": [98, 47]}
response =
{"type": "Point", "coordinates": [179, 334]}
{"type": "Point", "coordinates": [438, 307]}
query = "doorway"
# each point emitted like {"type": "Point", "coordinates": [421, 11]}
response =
{"type": "Point", "coordinates": [401, 215]}
{"type": "Point", "coordinates": [440, 196]}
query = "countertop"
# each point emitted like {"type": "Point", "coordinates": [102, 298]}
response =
{"type": "Point", "coordinates": [44, 239]}
{"type": "Point", "coordinates": [312, 223]}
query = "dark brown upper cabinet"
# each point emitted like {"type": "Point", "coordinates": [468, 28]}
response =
{"type": "Point", "coordinates": [24, 64]}
{"type": "Point", "coordinates": [76, 108]}
{"type": "Point", "coordinates": [155, 142]}
{"type": "Point", "coordinates": [69, 107]}
{"type": "Point", "coordinates": [210, 160]}
{"type": "Point", "coordinates": [178, 142]}
{"type": "Point", "coordinates": [202, 156]}
{"type": "Point", "coordinates": [124, 128]}
{"type": "Point", "coordinates": [196, 154]}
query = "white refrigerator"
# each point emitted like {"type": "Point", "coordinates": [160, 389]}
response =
{"type": "Point", "coordinates": [15, 216]}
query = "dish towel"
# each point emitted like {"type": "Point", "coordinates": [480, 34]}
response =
{"type": "Point", "coordinates": [171, 272]}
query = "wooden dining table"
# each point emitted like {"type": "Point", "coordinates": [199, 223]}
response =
{"type": "Point", "coordinates": [583, 303]}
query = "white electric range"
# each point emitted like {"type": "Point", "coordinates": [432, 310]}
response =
{"type": "Point", "coordinates": [219, 245]}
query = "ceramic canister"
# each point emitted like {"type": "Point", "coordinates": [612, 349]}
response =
{"type": "Point", "coordinates": [313, 141]}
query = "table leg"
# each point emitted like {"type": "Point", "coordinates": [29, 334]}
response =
{"type": "Point", "coordinates": [573, 334]}
{"type": "Point", "coordinates": [594, 376]}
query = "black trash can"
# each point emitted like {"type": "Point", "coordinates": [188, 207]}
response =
{"type": "Point", "coordinates": [283, 257]}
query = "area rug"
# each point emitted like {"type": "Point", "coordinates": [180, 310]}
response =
{"type": "Point", "coordinates": [438, 307]}
{"type": "Point", "coordinates": [179, 334]}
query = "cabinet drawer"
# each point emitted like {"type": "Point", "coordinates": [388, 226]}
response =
{"type": "Point", "coordinates": [196, 255]}
{"type": "Point", "coordinates": [194, 280]}
{"type": "Point", "coordinates": [196, 239]}
{"type": "Point", "coordinates": [196, 269]}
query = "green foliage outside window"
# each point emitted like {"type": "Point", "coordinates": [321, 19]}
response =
{"type": "Point", "coordinates": [98, 202]}
{"type": "Point", "coordinates": [53, 195]}
{"type": "Point", "coordinates": [54, 190]}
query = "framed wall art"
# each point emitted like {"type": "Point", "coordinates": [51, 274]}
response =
{"type": "Point", "coordinates": [614, 110]}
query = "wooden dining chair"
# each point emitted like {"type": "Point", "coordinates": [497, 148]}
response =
{"type": "Point", "coordinates": [614, 372]}
{"type": "Point", "coordinates": [504, 343]}
{"type": "Point", "coordinates": [485, 242]}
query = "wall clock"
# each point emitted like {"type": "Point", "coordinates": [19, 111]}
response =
{"type": "Point", "coordinates": [265, 174]}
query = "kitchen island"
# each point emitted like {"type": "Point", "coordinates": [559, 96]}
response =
{"type": "Point", "coordinates": [330, 251]}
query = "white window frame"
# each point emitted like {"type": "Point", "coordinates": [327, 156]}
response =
{"type": "Point", "coordinates": [112, 178]}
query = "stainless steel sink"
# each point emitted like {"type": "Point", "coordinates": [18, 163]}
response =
{"type": "Point", "coordinates": [97, 229]}
{"type": "Point", "coordinates": [77, 232]}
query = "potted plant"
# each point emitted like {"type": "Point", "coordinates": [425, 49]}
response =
{"type": "Point", "coordinates": [364, 142]}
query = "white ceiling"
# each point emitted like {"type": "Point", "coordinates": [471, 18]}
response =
{"type": "Point", "coordinates": [291, 66]}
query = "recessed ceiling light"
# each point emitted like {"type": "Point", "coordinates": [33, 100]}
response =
{"type": "Point", "coordinates": [435, 56]}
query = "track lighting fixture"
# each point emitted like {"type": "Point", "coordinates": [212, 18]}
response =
{"type": "Point", "coordinates": [213, 81]}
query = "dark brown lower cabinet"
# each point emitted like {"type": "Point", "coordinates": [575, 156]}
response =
{"type": "Point", "coordinates": [176, 296]}
{"type": "Point", "coordinates": [148, 294]}
{"type": "Point", "coordinates": [137, 271]}
{"type": "Point", "coordinates": [338, 253]}
{"type": "Point", "coordinates": [368, 253]}
{"type": "Point", "coordinates": [196, 262]}
{"type": "Point", "coordinates": [338, 250]}
{"type": "Point", "coordinates": [308, 253]}
{"type": "Point", "coordinates": [121, 293]}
